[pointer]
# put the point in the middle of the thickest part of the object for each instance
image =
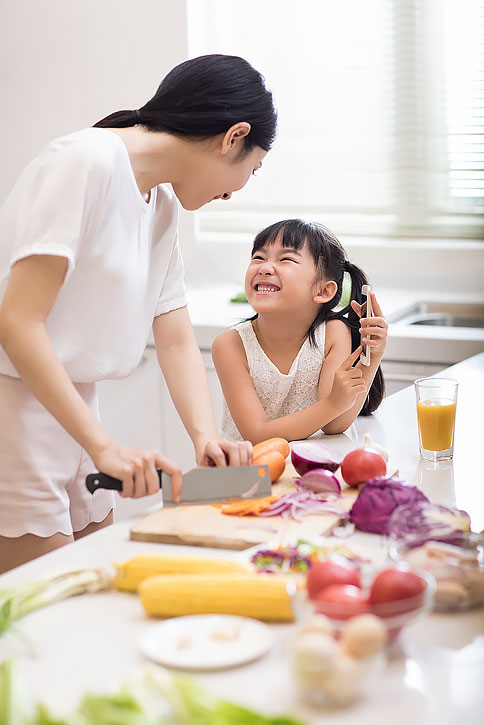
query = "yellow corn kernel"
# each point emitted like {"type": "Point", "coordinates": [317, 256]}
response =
{"type": "Point", "coordinates": [261, 596]}
{"type": "Point", "coordinates": [131, 573]}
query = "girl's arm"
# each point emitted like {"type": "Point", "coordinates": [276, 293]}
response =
{"type": "Point", "coordinates": [32, 290]}
{"type": "Point", "coordinates": [377, 327]}
{"type": "Point", "coordinates": [182, 366]}
{"type": "Point", "coordinates": [246, 409]}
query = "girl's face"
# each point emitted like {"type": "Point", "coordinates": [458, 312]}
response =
{"type": "Point", "coordinates": [282, 279]}
{"type": "Point", "coordinates": [216, 172]}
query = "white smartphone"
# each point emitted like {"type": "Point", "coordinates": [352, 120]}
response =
{"type": "Point", "coordinates": [366, 311]}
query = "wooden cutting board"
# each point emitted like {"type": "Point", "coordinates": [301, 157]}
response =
{"type": "Point", "coordinates": [207, 526]}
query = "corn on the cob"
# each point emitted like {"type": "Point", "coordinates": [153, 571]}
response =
{"type": "Point", "coordinates": [131, 573]}
{"type": "Point", "coordinates": [261, 596]}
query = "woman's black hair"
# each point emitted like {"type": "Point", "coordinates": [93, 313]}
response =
{"type": "Point", "coordinates": [331, 263]}
{"type": "Point", "coordinates": [205, 96]}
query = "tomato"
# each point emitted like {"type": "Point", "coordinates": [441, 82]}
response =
{"type": "Point", "coordinates": [362, 464]}
{"type": "Point", "coordinates": [341, 601]}
{"type": "Point", "coordinates": [326, 573]}
{"type": "Point", "coordinates": [393, 585]}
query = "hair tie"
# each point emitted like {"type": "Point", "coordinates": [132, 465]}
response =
{"type": "Point", "coordinates": [346, 265]}
{"type": "Point", "coordinates": [136, 115]}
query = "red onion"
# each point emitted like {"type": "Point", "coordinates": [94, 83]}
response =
{"type": "Point", "coordinates": [311, 454]}
{"type": "Point", "coordinates": [320, 480]}
{"type": "Point", "coordinates": [302, 503]}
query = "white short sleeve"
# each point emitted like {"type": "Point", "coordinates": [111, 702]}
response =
{"type": "Point", "coordinates": [52, 199]}
{"type": "Point", "coordinates": [172, 295]}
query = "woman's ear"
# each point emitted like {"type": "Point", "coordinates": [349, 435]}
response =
{"type": "Point", "coordinates": [233, 138]}
{"type": "Point", "coordinates": [326, 292]}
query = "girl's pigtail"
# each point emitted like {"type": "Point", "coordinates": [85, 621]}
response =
{"type": "Point", "coordinates": [349, 316]}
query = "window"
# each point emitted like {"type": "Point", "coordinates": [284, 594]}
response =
{"type": "Point", "coordinates": [381, 113]}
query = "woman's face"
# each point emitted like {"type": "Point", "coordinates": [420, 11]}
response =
{"type": "Point", "coordinates": [211, 175]}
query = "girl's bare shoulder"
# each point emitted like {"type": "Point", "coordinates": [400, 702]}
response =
{"type": "Point", "coordinates": [228, 343]}
{"type": "Point", "coordinates": [337, 333]}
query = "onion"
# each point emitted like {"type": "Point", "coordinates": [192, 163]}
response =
{"type": "Point", "coordinates": [309, 454]}
{"type": "Point", "coordinates": [320, 480]}
{"type": "Point", "coordinates": [302, 503]}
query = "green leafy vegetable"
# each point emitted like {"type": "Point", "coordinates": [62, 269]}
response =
{"type": "Point", "coordinates": [156, 697]}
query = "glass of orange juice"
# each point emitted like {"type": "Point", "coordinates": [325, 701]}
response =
{"type": "Point", "coordinates": [436, 405]}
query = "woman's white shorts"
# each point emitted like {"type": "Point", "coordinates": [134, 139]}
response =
{"type": "Point", "coordinates": [42, 468]}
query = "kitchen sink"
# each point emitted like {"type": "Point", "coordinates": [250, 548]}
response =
{"type": "Point", "coordinates": [442, 314]}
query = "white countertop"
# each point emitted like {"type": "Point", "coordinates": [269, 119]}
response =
{"type": "Point", "coordinates": [435, 677]}
{"type": "Point", "coordinates": [212, 312]}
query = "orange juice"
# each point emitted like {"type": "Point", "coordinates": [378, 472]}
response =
{"type": "Point", "coordinates": [436, 417]}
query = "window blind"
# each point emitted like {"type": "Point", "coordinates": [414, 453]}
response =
{"type": "Point", "coordinates": [380, 113]}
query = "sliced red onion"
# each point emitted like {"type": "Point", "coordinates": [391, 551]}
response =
{"type": "Point", "coordinates": [320, 480]}
{"type": "Point", "coordinates": [311, 454]}
{"type": "Point", "coordinates": [303, 503]}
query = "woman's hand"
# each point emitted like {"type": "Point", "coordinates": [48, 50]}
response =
{"type": "Point", "coordinates": [222, 452]}
{"type": "Point", "coordinates": [374, 330]}
{"type": "Point", "coordinates": [348, 383]}
{"type": "Point", "coordinates": [137, 470]}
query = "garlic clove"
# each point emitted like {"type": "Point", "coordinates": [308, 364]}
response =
{"type": "Point", "coordinates": [369, 443]}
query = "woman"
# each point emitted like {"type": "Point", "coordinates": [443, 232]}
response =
{"type": "Point", "coordinates": [89, 262]}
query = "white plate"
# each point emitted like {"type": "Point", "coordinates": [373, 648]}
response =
{"type": "Point", "coordinates": [206, 641]}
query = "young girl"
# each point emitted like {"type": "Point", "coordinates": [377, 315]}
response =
{"type": "Point", "coordinates": [290, 370]}
{"type": "Point", "coordinates": [89, 262]}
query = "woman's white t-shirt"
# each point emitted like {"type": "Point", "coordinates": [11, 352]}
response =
{"type": "Point", "coordinates": [79, 199]}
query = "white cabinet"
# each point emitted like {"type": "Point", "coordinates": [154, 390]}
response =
{"type": "Point", "coordinates": [176, 441]}
{"type": "Point", "coordinates": [399, 375]}
{"type": "Point", "coordinates": [138, 412]}
{"type": "Point", "coordinates": [131, 413]}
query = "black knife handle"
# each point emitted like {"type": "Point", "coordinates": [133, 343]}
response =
{"type": "Point", "coordinates": [102, 480]}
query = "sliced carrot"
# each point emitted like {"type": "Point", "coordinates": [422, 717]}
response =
{"type": "Point", "coordinates": [272, 444]}
{"type": "Point", "coordinates": [251, 507]}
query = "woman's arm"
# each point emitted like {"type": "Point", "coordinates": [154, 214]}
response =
{"type": "Point", "coordinates": [182, 366]}
{"type": "Point", "coordinates": [32, 290]}
{"type": "Point", "coordinates": [246, 409]}
{"type": "Point", "coordinates": [374, 333]}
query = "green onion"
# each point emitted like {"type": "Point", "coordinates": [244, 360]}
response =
{"type": "Point", "coordinates": [18, 601]}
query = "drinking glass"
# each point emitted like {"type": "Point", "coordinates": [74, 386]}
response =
{"type": "Point", "coordinates": [436, 405]}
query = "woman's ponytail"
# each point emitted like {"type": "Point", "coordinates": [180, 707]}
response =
{"type": "Point", "coordinates": [203, 97]}
{"type": "Point", "coordinates": [349, 316]}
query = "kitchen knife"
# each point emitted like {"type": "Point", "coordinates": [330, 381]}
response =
{"type": "Point", "coordinates": [203, 485]}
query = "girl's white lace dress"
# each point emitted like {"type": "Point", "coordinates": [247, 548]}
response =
{"type": "Point", "coordinates": [278, 393]}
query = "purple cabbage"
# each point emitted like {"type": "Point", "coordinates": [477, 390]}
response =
{"type": "Point", "coordinates": [377, 500]}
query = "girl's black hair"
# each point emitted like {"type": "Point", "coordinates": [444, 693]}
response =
{"type": "Point", "coordinates": [205, 96]}
{"type": "Point", "coordinates": [331, 263]}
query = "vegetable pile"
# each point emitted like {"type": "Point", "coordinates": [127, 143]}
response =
{"type": "Point", "coordinates": [152, 697]}
{"type": "Point", "coordinates": [378, 499]}
{"type": "Point", "coordinates": [302, 503]}
{"type": "Point", "coordinates": [300, 557]}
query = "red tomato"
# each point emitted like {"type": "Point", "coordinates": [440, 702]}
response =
{"type": "Point", "coordinates": [341, 601]}
{"type": "Point", "coordinates": [393, 585]}
{"type": "Point", "coordinates": [362, 464]}
{"type": "Point", "coordinates": [326, 573]}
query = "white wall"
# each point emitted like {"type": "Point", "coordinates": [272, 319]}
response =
{"type": "Point", "coordinates": [64, 64]}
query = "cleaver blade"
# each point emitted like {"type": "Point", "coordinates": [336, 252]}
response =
{"type": "Point", "coordinates": [203, 485]}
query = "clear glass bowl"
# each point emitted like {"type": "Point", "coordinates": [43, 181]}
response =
{"type": "Point", "coordinates": [456, 560]}
{"type": "Point", "coordinates": [395, 614]}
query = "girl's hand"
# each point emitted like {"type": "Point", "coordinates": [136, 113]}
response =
{"type": "Point", "coordinates": [137, 470]}
{"type": "Point", "coordinates": [348, 383]}
{"type": "Point", "coordinates": [226, 453]}
{"type": "Point", "coordinates": [374, 330]}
